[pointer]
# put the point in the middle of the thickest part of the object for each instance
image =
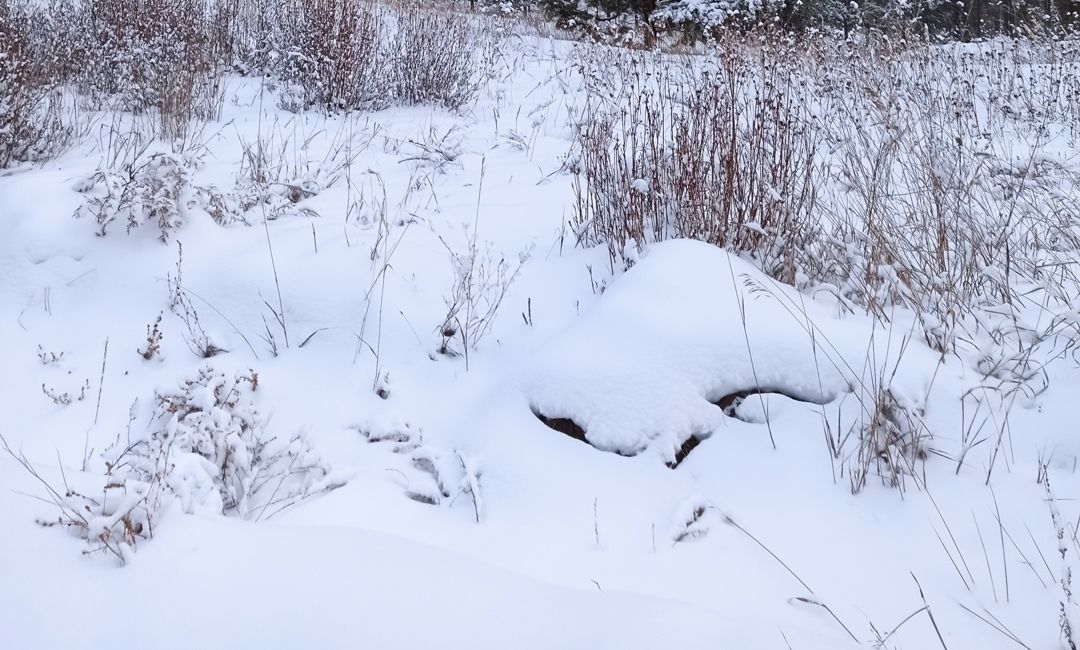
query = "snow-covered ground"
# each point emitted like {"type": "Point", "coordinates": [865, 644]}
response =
{"type": "Point", "coordinates": [452, 515]}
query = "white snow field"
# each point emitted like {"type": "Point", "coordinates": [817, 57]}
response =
{"type": "Point", "coordinates": [583, 455]}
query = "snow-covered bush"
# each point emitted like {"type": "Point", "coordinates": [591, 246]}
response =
{"type": "Point", "coordinates": [406, 435]}
{"type": "Point", "coordinates": [692, 521]}
{"type": "Point", "coordinates": [139, 55]}
{"type": "Point", "coordinates": [450, 477]}
{"type": "Point", "coordinates": [141, 187]}
{"type": "Point", "coordinates": [30, 125]}
{"type": "Point", "coordinates": [112, 523]}
{"type": "Point", "coordinates": [209, 448]}
{"type": "Point", "coordinates": [435, 477]}
{"type": "Point", "coordinates": [156, 190]}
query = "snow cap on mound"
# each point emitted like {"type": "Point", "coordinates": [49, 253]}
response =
{"type": "Point", "coordinates": [689, 325]}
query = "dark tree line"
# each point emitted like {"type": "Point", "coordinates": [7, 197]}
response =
{"type": "Point", "coordinates": [960, 19]}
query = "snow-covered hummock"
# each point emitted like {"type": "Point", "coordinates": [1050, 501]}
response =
{"type": "Point", "coordinates": [690, 324]}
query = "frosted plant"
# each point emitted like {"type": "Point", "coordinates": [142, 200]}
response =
{"type": "Point", "coordinates": [213, 453]}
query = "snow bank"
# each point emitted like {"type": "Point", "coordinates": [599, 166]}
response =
{"type": "Point", "coordinates": [691, 324]}
{"type": "Point", "coordinates": [335, 588]}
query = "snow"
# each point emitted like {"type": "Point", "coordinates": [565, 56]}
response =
{"type": "Point", "coordinates": [381, 592]}
{"type": "Point", "coordinates": [645, 365]}
{"type": "Point", "coordinates": [463, 520]}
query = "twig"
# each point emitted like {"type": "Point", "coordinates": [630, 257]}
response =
{"type": "Point", "coordinates": [101, 382]}
{"type": "Point", "coordinates": [930, 613]}
{"type": "Point", "coordinates": [728, 520]}
{"type": "Point", "coordinates": [814, 601]}
{"type": "Point", "coordinates": [1008, 635]}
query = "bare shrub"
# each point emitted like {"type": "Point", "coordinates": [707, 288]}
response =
{"type": "Point", "coordinates": [157, 56]}
{"type": "Point", "coordinates": [166, 58]}
{"type": "Point", "coordinates": [335, 54]}
{"type": "Point", "coordinates": [890, 440]}
{"type": "Point", "coordinates": [31, 128]}
{"type": "Point", "coordinates": [346, 55]}
{"type": "Point", "coordinates": [152, 347]}
{"type": "Point", "coordinates": [65, 398]}
{"type": "Point", "coordinates": [724, 154]}
{"type": "Point", "coordinates": [278, 172]}
{"type": "Point", "coordinates": [481, 282]}
{"type": "Point", "coordinates": [438, 57]}
{"type": "Point", "coordinates": [49, 358]}
{"type": "Point", "coordinates": [196, 338]}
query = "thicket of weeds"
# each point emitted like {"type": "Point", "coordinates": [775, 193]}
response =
{"type": "Point", "coordinates": [931, 178]}
{"type": "Point", "coordinates": [168, 59]}
{"type": "Point", "coordinates": [149, 75]}
{"type": "Point", "coordinates": [898, 177]}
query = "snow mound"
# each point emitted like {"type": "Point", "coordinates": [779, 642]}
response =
{"type": "Point", "coordinates": [690, 325]}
